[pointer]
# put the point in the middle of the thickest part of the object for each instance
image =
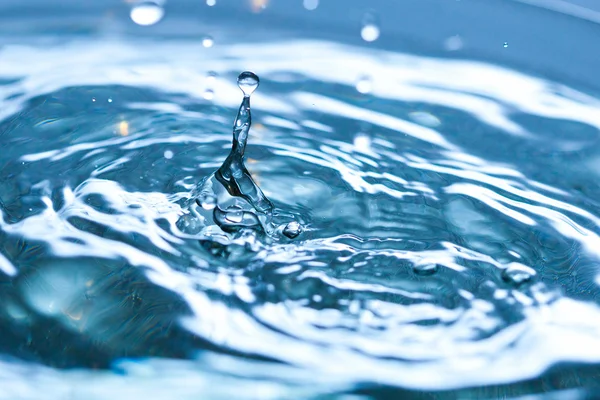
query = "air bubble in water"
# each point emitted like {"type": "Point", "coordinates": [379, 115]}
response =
{"type": "Point", "coordinates": [147, 13]}
{"type": "Point", "coordinates": [208, 41]}
{"type": "Point", "coordinates": [311, 4]}
{"type": "Point", "coordinates": [248, 82]}
{"type": "Point", "coordinates": [364, 84]}
{"type": "Point", "coordinates": [517, 274]}
{"type": "Point", "coordinates": [292, 230]}
{"type": "Point", "coordinates": [425, 269]}
{"type": "Point", "coordinates": [168, 154]}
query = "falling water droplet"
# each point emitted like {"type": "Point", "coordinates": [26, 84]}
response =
{"type": "Point", "coordinates": [369, 33]}
{"type": "Point", "coordinates": [517, 274]}
{"type": "Point", "coordinates": [311, 4]}
{"type": "Point", "coordinates": [168, 154]}
{"type": "Point", "coordinates": [208, 41]}
{"type": "Point", "coordinates": [364, 84]}
{"type": "Point", "coordinates": [248, 82]}
{"type": "Point", "coordinates": [147, 13]}
{"type": "Point", "coordinates": [425, 269]}
{"type": "Point", "coordinates": [94, 99]}
{"type": "Point", "coordinates": [110, 100]}
{"type": "Point", "coordinates": [292, 230]}
{"type": "Point", "coordinates": [211, 77]}
{"type": "Point", "coordinates": [208, 94]}
{"type": "Point", "coordinates": [370, 29]}
{"type": "Point", "coordinates": [505, 44]}
{"type": "Point", "coordinates": [211, 3]}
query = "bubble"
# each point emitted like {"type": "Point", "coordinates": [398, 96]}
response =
{"type": "Point", "coordinates": [168, 154]}
{"type": "Point", "coordinates": [505, 44]}
{"type": "Point", "coordinates": [147, 13]}
{"type": "Point", "coordinates": [248, 82]}
{"type": "Point", "coordinates": [311, 4]}
{"type": "Point", "coordinates": [208, 41]}
{"type": "Point", "coordinates": [364, 84]}
{"type": "Point", "coordinates": [370, 33]}
{"type": "Point", "coordinates": [517, 274]}
{"type": "Point", "coordinates": [211, 3]}
{"type": "Point", "coordinates": [425, 269]}
{"type": "Point", "coordinates": [292, 230]}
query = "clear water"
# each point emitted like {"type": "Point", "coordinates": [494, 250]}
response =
{"type": "Point", "coordinates": [414, 217]}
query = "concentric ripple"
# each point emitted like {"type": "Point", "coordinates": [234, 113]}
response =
{"type": "Point", "coordinates": [449, 223]}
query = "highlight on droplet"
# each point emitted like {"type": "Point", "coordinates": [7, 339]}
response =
{"type": "Point", "coordinates": [310, 4]}
{"type": "Point", "coordinates": [370, 28]}
{"type": "Point", "coordinates": [146, 13]}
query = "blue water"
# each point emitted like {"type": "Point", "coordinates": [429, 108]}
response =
{"type": "Point", "coordinates": [441, 175]}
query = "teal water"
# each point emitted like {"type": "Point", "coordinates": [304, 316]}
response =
{"type": "Point", "coordinates": [414, 223]}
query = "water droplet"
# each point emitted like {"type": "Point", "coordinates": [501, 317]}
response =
{"type": "Point", "coordinates": [311, 4]}
{"type": "Point", "coordinates": [292, 230]}
{"type": "Point", "coordinates": [517, 274]}
{"type": "Point", "coordinates": [211, 77]}
{"type": "Point", "coordinates": [425, 118]}
{"type": "Point", "coordinates": [208, 41]}
{"type": "Point", "coordinates": [94, 99]}
{"type": "Point", "coordinates": [109, 100]}
{"type": "Point", "coordinates": [234, 214]}
{"type": "Point", "coordinates": [211, 3]}
{"type": "Point", "coordinates": [370, 28]}
{"type": "Point", "coordinates": [208, 94]}
{"type": "Point", "coordinates": [168, 154]}
{"type": "Point", "coordinates": [505, 44]}
{"type": "Point", "coordinates": [317, 298]}
{"type": "Point", "coordinates": [248, 82]}
{"type": "Point", "coordinates": [362, 142]}
{"type": "Point", "coordinates": [364, 84]}
{"type": "Point", "coordinates": [453, 43]}
{"type": "Point", "coordinates": [207, 201]}
{"type": "Point", "coordinates": [147, 13]}
{"type": "Point", "coordinates": [425, 269]}
{"type": "Point", "coordinates": [370, 33]}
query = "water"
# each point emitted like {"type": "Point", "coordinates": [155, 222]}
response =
{"type": "Point", "coordinates": [383, 221]}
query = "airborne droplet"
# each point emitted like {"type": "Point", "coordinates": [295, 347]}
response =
{"type": "Point", "coordinates": [292, 230]}
{"type": "Point", "coordinates": [517, 274]}
{"type": "Point", "coordinates": [425, 269]}
{"type": "Point", "coordinates": [147, 13]}
{"type": "Point", "coordinates": [248, 82]}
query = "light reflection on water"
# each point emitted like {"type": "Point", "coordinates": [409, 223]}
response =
{"type": "Point", "coordinates": [437, 255]}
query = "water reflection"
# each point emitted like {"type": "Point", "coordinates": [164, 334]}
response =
{"type": "Point", "coordinates": [443, 242]}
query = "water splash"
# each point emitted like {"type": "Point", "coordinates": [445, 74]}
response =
{"type": "Point", "coordinates": [230, 197]}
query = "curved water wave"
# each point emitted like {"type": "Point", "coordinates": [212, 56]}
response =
{"type": "Point", "coordinates": [448, 240]}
